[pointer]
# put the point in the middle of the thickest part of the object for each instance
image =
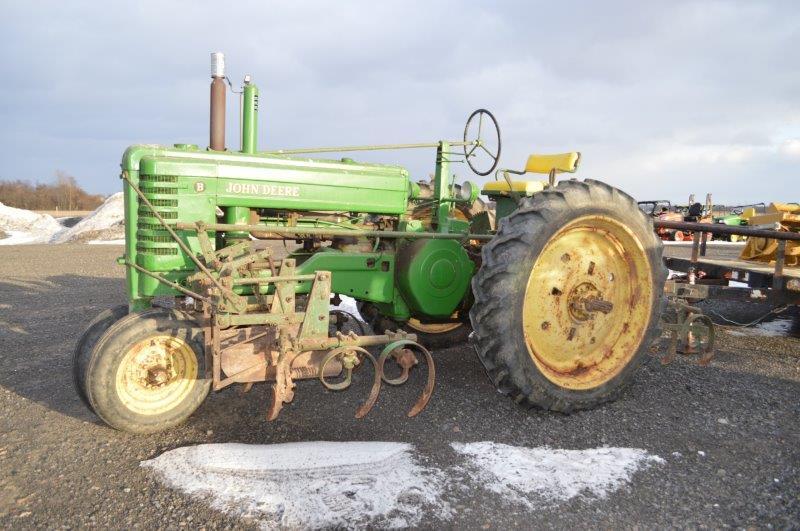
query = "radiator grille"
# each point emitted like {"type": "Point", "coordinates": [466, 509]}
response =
{"type": "Point", "coordinates": [152, 238]}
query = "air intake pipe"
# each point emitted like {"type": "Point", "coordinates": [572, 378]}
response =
{"type": "Point", "coordinates": [217, 115]}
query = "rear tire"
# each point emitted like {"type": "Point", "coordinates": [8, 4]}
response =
{"type": "Point", "coordinates": [534, 332]}
{"type": "Point", "coordinates": [448, 335]}
{"type": "Point", "coordinates": [147, 372]}
{"type": "Point", "coordinates": [83, 349]}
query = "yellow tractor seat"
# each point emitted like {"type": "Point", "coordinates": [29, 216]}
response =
{"type": "Point", "coordinates": [520, 187]}
{"type": "Point", "coordinates": [560, 162]}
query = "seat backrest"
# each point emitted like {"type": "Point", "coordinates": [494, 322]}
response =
{"type": "Point", "coordinates": [560, 162]}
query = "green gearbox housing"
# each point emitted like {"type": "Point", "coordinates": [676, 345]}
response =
{"type": "Point", "coordinates": [433, 276]}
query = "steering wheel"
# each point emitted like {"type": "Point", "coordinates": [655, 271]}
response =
{"type": "Point", "coordinates": [473, 149]}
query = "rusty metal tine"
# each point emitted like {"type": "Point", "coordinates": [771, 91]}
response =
{"type": "Point", "coordinates": [428, 391]}
{"type": "Point", "coordinates": [367, 406]}
{"type": "Point", "coordinates": [276, 405]}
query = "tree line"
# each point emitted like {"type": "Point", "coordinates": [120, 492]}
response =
{"type": "Point", "coordinates": [63, 194]}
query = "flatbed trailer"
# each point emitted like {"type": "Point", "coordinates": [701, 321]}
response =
{"type": "Point", "coordinates": [710, 278]}
{"type": "Point", "coordinates": [691, 331]}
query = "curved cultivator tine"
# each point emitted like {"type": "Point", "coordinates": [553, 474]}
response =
{"type": "Point", "coordinates": [403, 355]}
{"type": "Point", "coordinates": [350, 359]}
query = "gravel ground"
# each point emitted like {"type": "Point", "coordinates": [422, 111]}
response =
{"type": "Point", "coordinates": [729, 432]}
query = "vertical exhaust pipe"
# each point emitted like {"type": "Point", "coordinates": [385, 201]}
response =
{"type": "Point", "coordinates": [217, 114]}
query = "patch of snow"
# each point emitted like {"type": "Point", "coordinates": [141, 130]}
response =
{"type": "Point", "coordinates": [541, 476]}
{"type": "Point", "coordinates": [25, 226]}
{"type": "Point", "coordinates": [308, 484]}
{"type": "Point", "coordinates": [349, 305]}
{"type": "Point", "coordinates": [675, 274]}
{"type": "Point", "coordinates": [775, 328]}
{"type": "Point", "coordinates": [105, 223]}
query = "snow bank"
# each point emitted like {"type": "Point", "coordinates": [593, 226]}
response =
{"type": "Point", "coordinates": [541, 476]}
{"type": "Point", "coordinates": [25, 226]}
{"type": "Point", "coordinates": [308, 484]}
{"type": "Point", "coordinates": [105, 223]}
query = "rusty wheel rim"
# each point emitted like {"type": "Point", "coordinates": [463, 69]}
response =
{"type": "Point", "coordinates": [156, 374]}
{"type": "Point", "coordinates": [433, 328]}
{"type": "Point", "coordinates": [587, 303]}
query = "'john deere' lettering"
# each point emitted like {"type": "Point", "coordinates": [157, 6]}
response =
{"type": "Point", "coordinates": [263, 189]}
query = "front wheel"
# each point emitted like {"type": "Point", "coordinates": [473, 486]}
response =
{"type": "Point", "coordinates": [83, 349]}
{"type": "Point", "coordinates": [147, 372]}
{"type": "Point", "coordinates": [568, 297]}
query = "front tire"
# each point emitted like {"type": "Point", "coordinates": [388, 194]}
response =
{"type": "Point", "coordinates": [83, 349]}
{"type": "Point", "coordinates": [568, 297]}
{"type": "Point", "coordinates": [147, 372]}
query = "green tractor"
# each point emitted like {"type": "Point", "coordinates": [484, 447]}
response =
{"type": "Point", "coordinates": [559, 286]}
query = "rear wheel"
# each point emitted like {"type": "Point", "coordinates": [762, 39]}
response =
{"type": "Point", "coordinates": [568, 298]}
{"type": "Point", "coordinates": [147, 372]}
{"type": "Point", "coordinates": [434, 335]}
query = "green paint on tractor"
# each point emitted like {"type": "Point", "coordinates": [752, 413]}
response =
{"type": "Point", "coordinates": [426, 261]}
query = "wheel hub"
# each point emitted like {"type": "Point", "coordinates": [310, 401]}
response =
{"type": "Point", "coordinates": [155, 374]}
{"type": "Point", "coordinates": [587, 302]}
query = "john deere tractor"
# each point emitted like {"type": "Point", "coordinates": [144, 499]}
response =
{"type": "Point", "coordinates": [558, 285]}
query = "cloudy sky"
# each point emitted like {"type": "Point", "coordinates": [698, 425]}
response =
{"type": "Point", "coordinates": [662, 98]}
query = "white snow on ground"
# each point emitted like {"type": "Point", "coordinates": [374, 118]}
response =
{"type": "Point", "coordinates": [543, 476]}
{"type": "Point", "coordinates": [25, 226]}
{"type": "Point", "coordinates": [309, 484]}
{"type": "Point", "coordinates": [105, 223]}
{"type": "Point", "coordinates": [349, 305]}
{"type": "Point", "coordinates": [778, 327]}
{"type": "Point", "coordinates": [384, 484]}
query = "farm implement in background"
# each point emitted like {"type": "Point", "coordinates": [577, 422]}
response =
{"type": "Point", "coordinates": [742, 280]}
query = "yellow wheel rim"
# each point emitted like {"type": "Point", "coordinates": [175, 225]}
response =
{"type": "Point", "coordinates": [432, 328]}
{"type": "Point", "coordinates": [587, 303]}
{"type": "Point", "coordinates": [156, 374]}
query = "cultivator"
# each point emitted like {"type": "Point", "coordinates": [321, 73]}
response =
{"type": "Point", "coordinates": [266, 337]}
{"type": "Point", "coordinates": [560, 288]}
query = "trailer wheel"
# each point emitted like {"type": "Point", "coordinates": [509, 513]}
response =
{"type": "Point", "coordinates": [568, 298]}
{"type": "Point", "coordinates": [147, 372]}
{"type": "Point", "coordinates": [83, 349]}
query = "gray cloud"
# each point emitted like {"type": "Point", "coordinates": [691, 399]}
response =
{"type": "Point", "coordinates": [662, 98]}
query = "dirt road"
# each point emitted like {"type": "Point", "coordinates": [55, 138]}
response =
{"type": "Point", "coordinates": [728, 434]}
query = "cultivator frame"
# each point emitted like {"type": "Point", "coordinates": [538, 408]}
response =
{"type": "Point", "coordinates": [292, 341]}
